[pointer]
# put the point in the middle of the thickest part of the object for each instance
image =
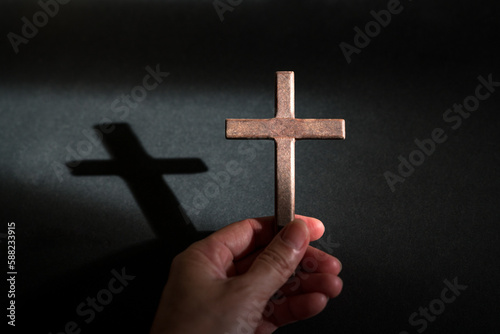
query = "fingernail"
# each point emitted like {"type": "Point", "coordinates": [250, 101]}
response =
{"type": "Point", "coordinates": [294, 234]}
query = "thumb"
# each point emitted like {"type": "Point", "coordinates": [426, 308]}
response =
{"type": "Point", "coordinates": [277, 262]}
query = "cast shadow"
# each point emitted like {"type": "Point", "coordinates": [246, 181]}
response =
{"type": "Point", "coordinates": [143, 175]}
{"type": "Point", "coordinates": [67, 300]}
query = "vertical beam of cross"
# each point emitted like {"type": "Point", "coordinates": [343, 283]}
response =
{"type": "Point", "coordinates": [284, 190]}
{"type": "Point", "coordinates": [284, 129]}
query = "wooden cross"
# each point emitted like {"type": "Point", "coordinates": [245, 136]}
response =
{"type": "Point", "coordinates": [284, 128]}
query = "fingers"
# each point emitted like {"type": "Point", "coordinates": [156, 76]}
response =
{"type": "Point", "coordinates": [328, 284]}
{"type": "Point", "coordinates": [316, 227]}
{"type": "Point", "coordinates": [314, 260]}
{"type": "Point", "coordinates": [317, 272]}
{"type": "Point", "coordinates": [242, 238]}
{"type": "Point", "coordinates": [276, 263]}
{"type": "Point", "coordinates": [296, 308]}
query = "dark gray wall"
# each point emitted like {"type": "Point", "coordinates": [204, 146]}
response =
{"type": "Point", "coordinates": [397, 247]}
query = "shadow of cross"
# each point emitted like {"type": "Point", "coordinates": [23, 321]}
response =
{"type": "Point", "coordinates": [143, 175]}
{"type": "Point", "coordinates": [284, 128]}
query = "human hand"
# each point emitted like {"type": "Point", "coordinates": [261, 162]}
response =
{"type": "Point", "coordinates": [225, 283]}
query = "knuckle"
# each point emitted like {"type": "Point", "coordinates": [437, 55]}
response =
{"type": "Point", "coordinates": [309, 264]}
{"type": "Point", "coordinates": [277, 262]}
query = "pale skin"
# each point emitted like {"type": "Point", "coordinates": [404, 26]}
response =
{"type": "Point", "coordinates": [225, 283]}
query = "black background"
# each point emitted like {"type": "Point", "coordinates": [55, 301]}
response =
{"type": "Point", "coordinates": [397, 247]}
